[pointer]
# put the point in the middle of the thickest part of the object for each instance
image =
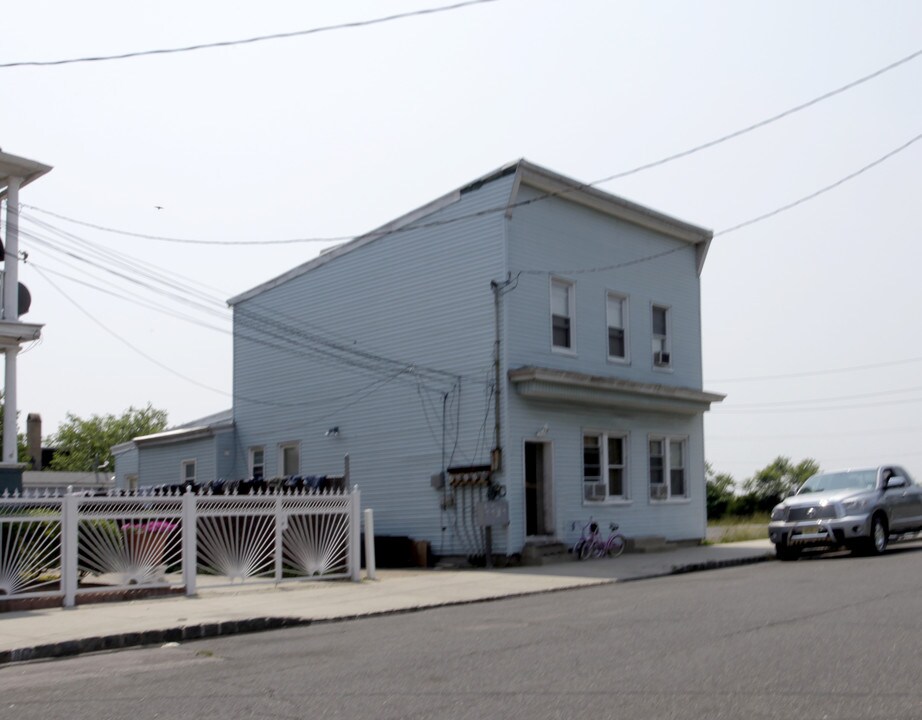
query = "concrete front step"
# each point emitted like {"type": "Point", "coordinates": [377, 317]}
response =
{"type": "Point", "coordinates": [545, 553]}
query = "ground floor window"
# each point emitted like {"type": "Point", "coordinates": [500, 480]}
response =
{"type": "Point", "coordinates": [187, 472]}
{"type": "Point", "coordinates": [604, 467]}
{"type": "Point", "coordinates": [668, 479]}
{"type": "Point", "coordinates": [290, 459]}
{"type": "Point", "coordinates": [257, 463]}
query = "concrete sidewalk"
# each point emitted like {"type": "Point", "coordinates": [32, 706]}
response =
{"type": "Point", "coordinates": [59, 632]}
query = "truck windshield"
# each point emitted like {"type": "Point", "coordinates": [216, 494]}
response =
{"type": "Point", "coordinates": [853, 479]}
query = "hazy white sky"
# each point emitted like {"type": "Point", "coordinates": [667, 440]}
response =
{"type": "Point", "coordinates": [810, 317]}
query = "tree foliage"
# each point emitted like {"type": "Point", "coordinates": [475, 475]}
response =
{"type": "Point", "coordinates": [720, 492]}
{"type": "Point", "coordinates": [85, 445]}
{"type": "Point", "coordinates": [777, 480]}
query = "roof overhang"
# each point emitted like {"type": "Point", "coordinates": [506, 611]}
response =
{"type": "Point", "coordinates": [15, 166]}
{"type": "Point", "coordinates": [13, 333]}
{"type": "Point", "coordinates": [168, 437]}
{"type": "Point", "coordinates": [564, 386]}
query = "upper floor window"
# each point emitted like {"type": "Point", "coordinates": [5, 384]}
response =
{"type": "Point", "coordinates": [290, 459]}
{"type": "Point", "coordinates": [616, 313]}
{"type": "Point", "coordinates": [662, 354]}
{"type": "Point", "coordinates": [604, 467]}
{"type": "Point", "coordinates": [257, 463]}
{"type": "Point", "coordinates": [667, 469]}
{"type": "Point", "coordinates": [187, 472]}
{"type": "Point", "coordinates": [562, 306]}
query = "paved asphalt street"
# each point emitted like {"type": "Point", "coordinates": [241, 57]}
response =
{"type": "Point", "coordinates": [832, 637]}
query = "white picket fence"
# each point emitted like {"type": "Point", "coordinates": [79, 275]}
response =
{"type": "Point", "coordinates": [72, 545]}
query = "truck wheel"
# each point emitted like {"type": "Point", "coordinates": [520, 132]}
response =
{"type": "Point", "coordinates": [785, 552]}
{"type": "Point", "coordinates": [877, 543]}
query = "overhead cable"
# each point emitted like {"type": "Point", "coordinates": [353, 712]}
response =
{"type": "Point", "coordinates": [247, 41]}
{"type": "Point", "coordinates": [506, 207]}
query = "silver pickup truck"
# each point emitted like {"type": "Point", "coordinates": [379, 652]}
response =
{"type": "Point", "coordinates": [859, 509]}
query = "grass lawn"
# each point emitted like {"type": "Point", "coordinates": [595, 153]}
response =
{"type": "Point", "coordinates": [738, 529]}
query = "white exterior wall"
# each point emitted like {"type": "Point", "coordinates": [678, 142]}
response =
{"type": "Point", "coordinates": [312, 351]}
{"type": "Point", "coordinates": [162, 464]}
{"type": "Point", "coordinates": [421, 297]}
{"type": "Point", "coordinates": [126, 464]}
{"type": "Point", "coordinates": [559, 236]}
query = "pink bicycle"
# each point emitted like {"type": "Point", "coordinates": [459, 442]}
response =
{"type": "Point", "coordinates": [591, 544]}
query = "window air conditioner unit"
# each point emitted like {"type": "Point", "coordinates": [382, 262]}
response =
{"type": "Point", "coordinates": [661, 358]}
{"type": "Point", "coordinates": [594, 492]}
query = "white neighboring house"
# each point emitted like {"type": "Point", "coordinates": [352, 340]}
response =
{"type": "Point", "coordinates": [525, 336]}
{"type": "Point", "coordinates": [56, 482]}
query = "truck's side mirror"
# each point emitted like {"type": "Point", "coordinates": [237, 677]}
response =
{"type": "Point", "coordinates": [897, 481]}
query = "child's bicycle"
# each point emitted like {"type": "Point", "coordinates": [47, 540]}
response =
{"type": "Point", "coordinates": [591, 544]}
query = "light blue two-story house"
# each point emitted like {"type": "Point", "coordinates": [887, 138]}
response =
{"type": "Point", "coordinates": [526, 337]}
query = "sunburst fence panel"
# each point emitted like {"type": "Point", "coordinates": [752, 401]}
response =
{"type": "Point", "coordinates": [275, 537]}
{"type": "Point", "coordinates": [30, 547]}
{"type": "Point", "coordinates": [130, 541]}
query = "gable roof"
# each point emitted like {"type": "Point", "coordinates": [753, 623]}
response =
{"type": "Point", "coordinates": [528, 174]}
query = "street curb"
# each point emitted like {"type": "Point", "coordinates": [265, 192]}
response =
{"type": "Point", "coordinates": [122, 641]}
{"type": "Point", "coordinates": [203, 631]}
{"type": "Point", "coordinates": [701, 567]}
{"type": "Point", "coordinates": [717, 564]}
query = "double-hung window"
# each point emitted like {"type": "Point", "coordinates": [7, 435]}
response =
{"type": "Point", "coordinates": [562, 307]}
{"type": "Point", "coordinates": [662, 354]}
{"type": "Point", "coordinates": [187, 472]}
{"type": "Point", "coordinates": [604, 467]}
{"type": "Point", "coordinates": [257, 463]}
{"type": "Point", "coordinates": [616, 313]}
{"type": "Point", "coordinates": [668, 477]}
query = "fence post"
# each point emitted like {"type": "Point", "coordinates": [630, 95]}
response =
{"type": "Point", "coordinates": [370, 570]}
{"type": "Point", "coordinates": [189, 542]}
{"type": "Point", "coordinates": [355, 509]}
{"type": "Point", "coordinates": [69, 524]}
{"type": "Point", "coordinates": [281, 524]}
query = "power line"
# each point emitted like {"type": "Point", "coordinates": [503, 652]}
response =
{"type": "Point", "coordinates": [788, 436]}
{"type": "Point", "coordinates": [762, 123]}
{"type": "Point", "coordinates": [752, 221]}
{"type": "Point", "coordinates": [128, 344]}
{"type": "Point", "coordinates": [663, 253]}
{"type": "Point", "coordinates": [826, 189]}
{"type": "Point", "coordinates": [814, 373]}
{"type": "Point", "coordinates": [860, 396]}
{"type": "Point", "coordinates": [768, 411]}
{"type": "Point", "coordinates": [505, 208]}
{"type": "Point", "coordinates": [274, 330]}
{"type": "Point", "coordinates": [247, 41]}
{"type": "Point", "coordinates": [186, 241]}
